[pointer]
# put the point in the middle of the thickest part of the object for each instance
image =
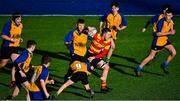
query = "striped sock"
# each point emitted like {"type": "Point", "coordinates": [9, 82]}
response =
{"type": "Point", "coordinates": [103, 85]}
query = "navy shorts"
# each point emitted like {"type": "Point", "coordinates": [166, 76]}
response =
{"type": "Point", "coordinates": [95, 61]}
{"type": "Point", "coordinates": [19, 79]}
{"type": "Point", "coordinates": [80, 76]}
{"type": "Point", "coordinates": [156, 48]}
{"type": "Point", "coordinates": [39, 95]}
{"type": "Point", "coordinates": [6, 52]}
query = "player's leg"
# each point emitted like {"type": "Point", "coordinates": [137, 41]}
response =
{"type": "Point", "coordinates": [15, 92]}
{"type": "Point", "coordinates": [65, 85]}
{"type": "Point", "coordinates": [110, 52]}
{"type": "Point", "coordinates": [12, 83]}
{"type": "Point", "coordinates": [68, 74]}
{"type": "Point", "coordinates": [104, 75]}
{"type": "Point", "coordinates": [150, 57]}
{"type": "Point", "coordinates": [84, 78]}
{"type": "Point", "coordinates": [172, 52]}
{"type": "Point", "coordinates": [3, 62]}
{"type": "Point", "coordinates": [89, 90]}
{"type": "Point", "coordinates": [26, 86]}
{"type": "Point", "coordinates": [14, 56]}
{"type": "Point", "coordinates": [5, 55]}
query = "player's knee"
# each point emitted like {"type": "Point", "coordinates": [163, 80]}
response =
{"type": "Point", "coordinates": [173, 53]}
{"type": "Point", "coordinates": [2, 64]}
{"type": "Point", "coordinates": [15, 94]}
{"type": "Point", "coordinates": [106, 67]}
{"type": "Point", "coordinates": [113, 47]}
{"type": "Point", "coordinates": [151, 57]}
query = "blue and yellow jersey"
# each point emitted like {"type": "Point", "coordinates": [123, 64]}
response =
{"type": "Point", "coordinates": [24, 61]}
{"type": "Point", "coordinates": [40, 73]}
{"type": "Point", "coordinates": [78, 66]}
{"type": "Point", "coordinates": [162, 26]}
{"type": "Point", "coordinates": [110, 21]}
{"type": "Point", "coordinates": [78, 42]}
{"type": "Point", "coordinates": [13, 31]}
{"type": "Point", "coordinates": [154, 20]}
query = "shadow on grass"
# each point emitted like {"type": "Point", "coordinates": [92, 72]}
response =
{"type": "Point", "coordinates": [5, 85]}
{"type": "Point", "coordinates": [59, 55]}
{"type": "Point", "coordinates": [130, 59]}
{"type": "Point", "coordinates": [114, 66]}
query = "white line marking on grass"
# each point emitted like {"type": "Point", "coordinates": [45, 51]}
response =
{"type": "Point", "coordinates": [71, 15]}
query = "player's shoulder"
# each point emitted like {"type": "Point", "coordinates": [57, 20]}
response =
{"type": "Point", "coordinates": [161, 20]}
{"type": "Point", "coordinates": [8, 23]}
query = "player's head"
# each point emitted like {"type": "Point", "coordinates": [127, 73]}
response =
{"type": "Point", "coordinates": [115, 7]}
{"type": "Point", "coordinates": [31, 45]}
{"type": "Point", "coordinates": [169, 14]}
{"type": "Point", "coordinates": [106, 32]}
{"type": "Point", "coordinates": [80, 25]}
{"type": "Point", "coordinates": [16, 17]}
{"type": "Point", "coordinates": [165, 7]}
{"type": "Point", "coordinates": [46, 59]}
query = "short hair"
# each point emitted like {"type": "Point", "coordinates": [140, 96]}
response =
{"type": "Point", "coordinates": [15, 15]}
{"type": "Point", "coordinates": [116, 4]}
{"type": "Point", "coordinates": [105, 30]}
{"type": "Point", "coordinates": [30, 43]}
{"type": "Point", "coordinates": [169, 11]}
{"type": "Point", "coordinates": [166, 7]}
{"type": "Point", "coordinates": [45, 59]}
{"type": "Point", "coordinates": [81, 21]}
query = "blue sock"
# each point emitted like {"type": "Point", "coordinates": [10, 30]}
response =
{"type": "Point", "coordinates": [138, 68]}
{"type": "Point", "coordinates": [165, 64]}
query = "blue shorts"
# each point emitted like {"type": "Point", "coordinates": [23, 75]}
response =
{"type": "Point", "coordinates": [37, 95]}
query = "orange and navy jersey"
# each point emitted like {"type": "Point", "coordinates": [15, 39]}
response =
{"type": "Point", "coordinates": [40, 73]}
{"type": "Point", "coordinates": [78, 66]}
{"type": "Point", "coordinates": [24, 61]}
{"type": "Point", "coordinates": [154, 20]}
{"type": "Point", "coordinates": [78, 42]}
{"type": "Point", "coordinates": [13, 31]}
{"type": "Point", "coordinates": [162, 26]}
{"type": "Point", "coordinates": [110, 21]}
{"type": "Point", "coordinates": [99, 46]}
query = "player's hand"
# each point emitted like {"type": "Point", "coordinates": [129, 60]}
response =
{"type": "Point", "coordinates": [117, 27]}
{"type": "Point", "coordinates": [13, 40]}
{"type": "Point", "coordinates": [67, 45]}
{"type": "Point", "coordinates": [21, 40]}
{"type": "Point", "coordinates": [47, 95]}
{"type": "Point", "coordinates": [172, 32]}
{"type": "Point", "coordinates": [91, 58]}
{"type": "Point", "coordinates": [144, 30]}
{"type": "Point", "coordinates": [22, 74]}
{"type": "Point", "coordinates": [51, 81]}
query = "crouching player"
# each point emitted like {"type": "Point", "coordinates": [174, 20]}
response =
{"type": "Point", "coordinates": [22, 67]}
{"type": "Point", "coordinates": [98, 49]}
{"type": "Point", "coordinates": [38, 90]}
{"type": "Point", "coordinates": [80, 73]}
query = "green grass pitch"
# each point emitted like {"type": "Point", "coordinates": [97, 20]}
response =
{"type": "Point", "coordinates": [131, 47]}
